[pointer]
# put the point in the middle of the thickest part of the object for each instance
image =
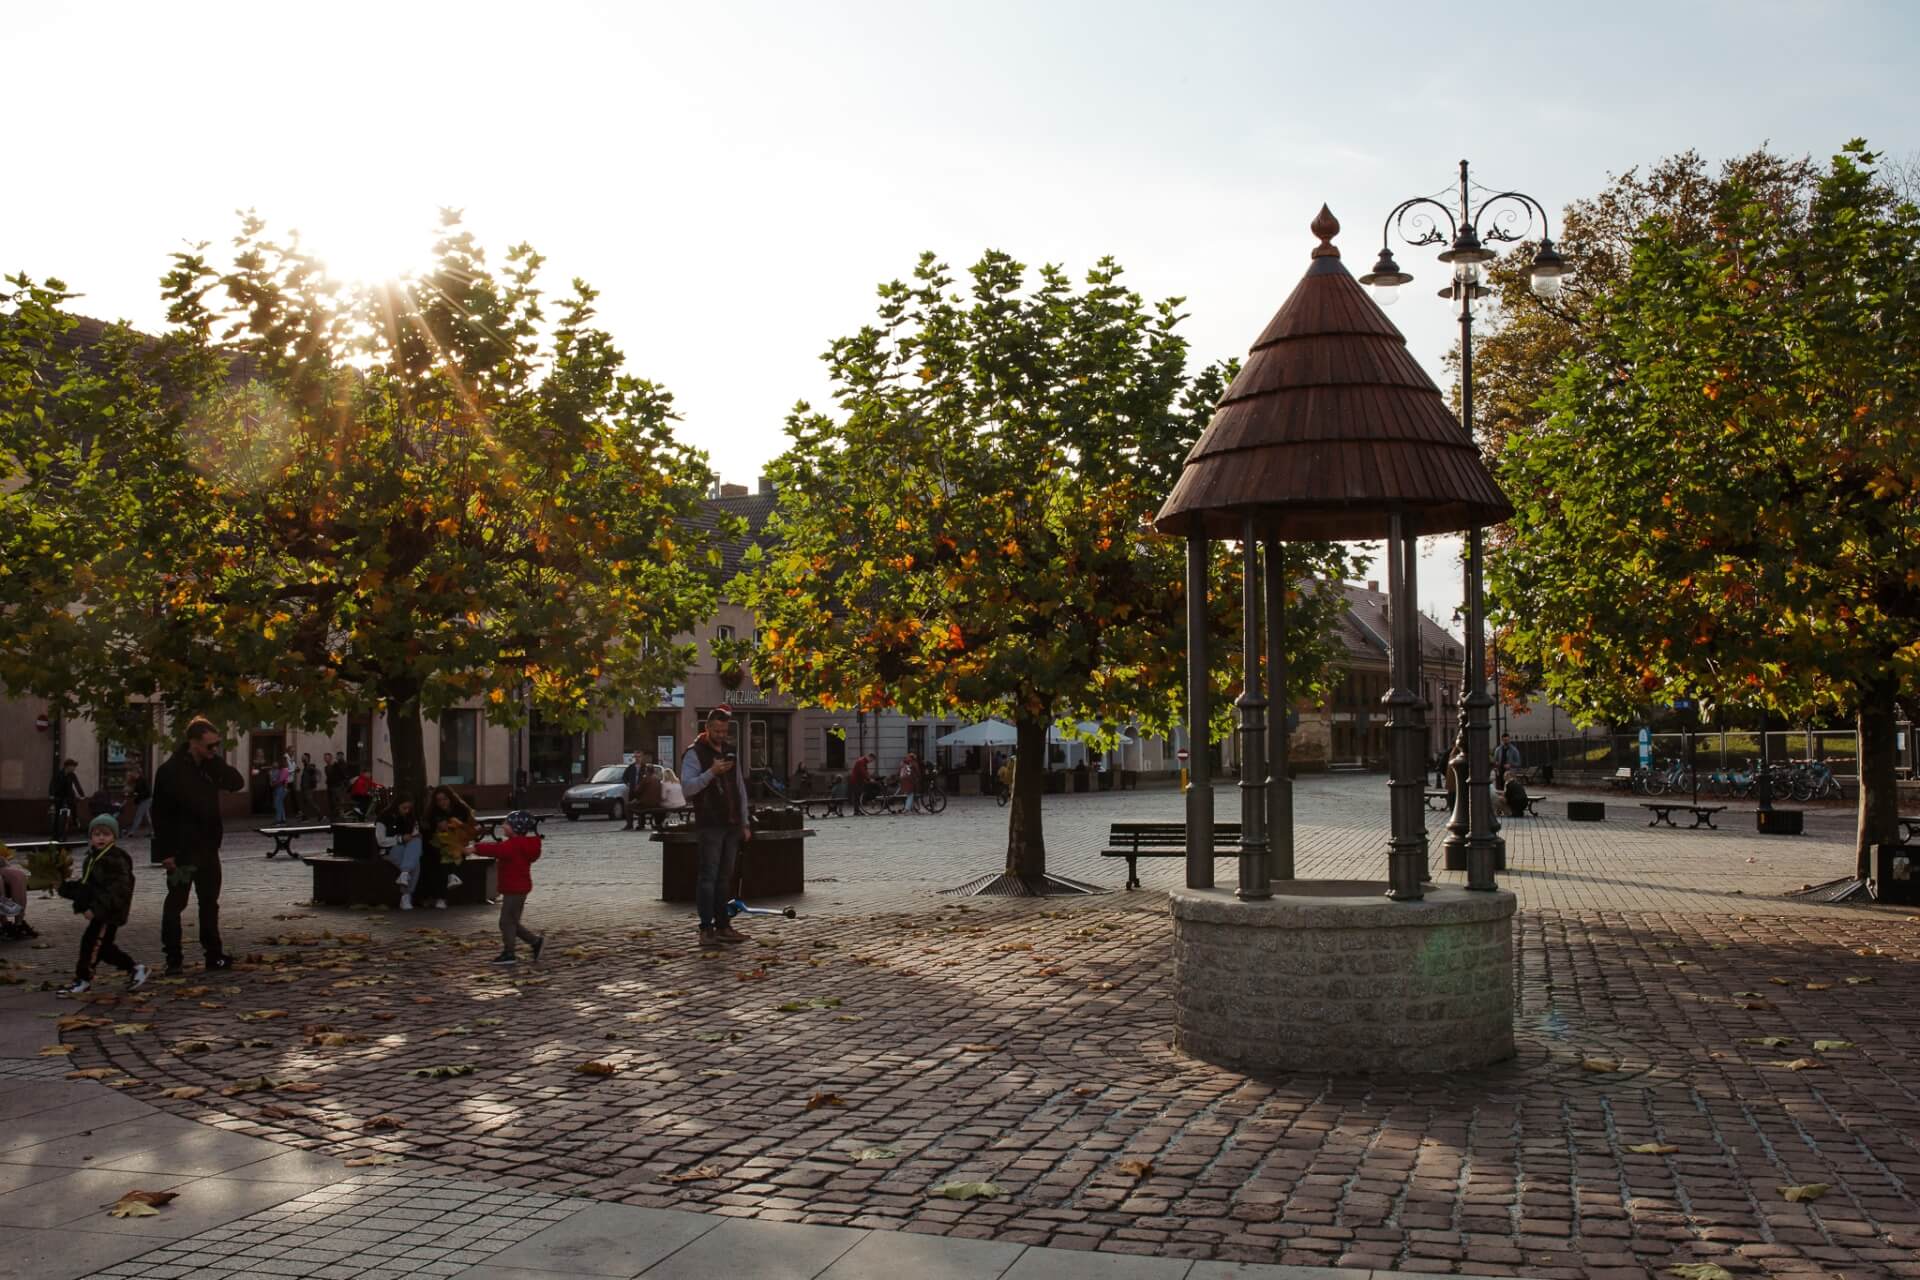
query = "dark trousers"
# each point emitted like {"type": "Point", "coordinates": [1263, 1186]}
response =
{"type": "Point", "coordinates": [97, 944]}
{"type": "Point", "coordinates": [433, 873]}
{"type": "Point", "coordinates": [206, 886]}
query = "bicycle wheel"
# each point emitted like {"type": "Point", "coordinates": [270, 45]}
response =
{"type": "Point", "coordinates": [873, 803]}
{"type": "Point", "coordinates": [1001, 795]}
{"type": "Point", "coordinates": [1656, 784]}
{"type": "Point", "coordinates": [935, 800]}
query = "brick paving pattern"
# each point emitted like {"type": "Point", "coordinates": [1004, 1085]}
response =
{"type": "Point", "coordinates": [1027, 1043]}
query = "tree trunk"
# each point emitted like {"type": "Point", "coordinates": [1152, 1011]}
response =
{"type": "Point", "coordinates": [1879, 798]}
{"type": "Point", "coordinates": [1026, 843]}
{"type": "Point", "coordinates": [409, 741]}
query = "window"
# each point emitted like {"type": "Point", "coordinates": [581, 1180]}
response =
{"type": "Point", "coordinates": [721, 634]}
{"type": "Point", "coordinates": [756, 744]}
{"type": "Point", "coordinates": [459, 747]}
{"type": "Point", "coordinates": [554, 754]}
{"type": "Point", "coordinates": [836, 750]}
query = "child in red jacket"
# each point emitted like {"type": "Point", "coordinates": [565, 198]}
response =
{"type": "Point", "coordinates": [515, 857]}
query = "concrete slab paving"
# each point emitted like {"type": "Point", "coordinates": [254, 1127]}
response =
{"type": "Point", "coordinates": [1068, 1264]}
{"type": "Point", "coordinates": [486, 1271]}
{"type": "Point", "coordinates": [1217, 1270]}
{"type": "Point", "coordinates": [896, 1255]}
{"type": "Point", "coordinates": [34, 1126]}
{"type": "Point", "coordinates": [101, 1146]}
{"type": "Point", "coordinates": [200, 1152]}
{"type": "Point", "coordinates": [58, 1254]}
{"type": "Point", "coordinates": [290, 1166]}
{"type": "Point", "coordinates": [764, 1250]}
{"type": "Point", "coordinates": [72, 1196]}
{"type": "Point", "coordinates": [204, 1203]}
{"type": "Point", "coordinates": [608, 1240]}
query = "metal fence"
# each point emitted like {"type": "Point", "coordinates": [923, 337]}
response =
{"type": "Point", "coordinates": [1598, 755]}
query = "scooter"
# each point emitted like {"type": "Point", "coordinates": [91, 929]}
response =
{"type": "Point", "coordinates": [738, 907]}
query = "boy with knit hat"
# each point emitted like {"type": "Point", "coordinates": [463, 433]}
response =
{"type": "Point", "coordinates": [103, 893]}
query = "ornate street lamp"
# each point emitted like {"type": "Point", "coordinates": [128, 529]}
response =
{"type": "Point", "coordinates": [1499, 217]}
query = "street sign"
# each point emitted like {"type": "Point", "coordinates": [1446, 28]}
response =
{"type": "Point", "coordinates": [1181, 755]}
{"type": "Point", "coordinates": [41, 723]}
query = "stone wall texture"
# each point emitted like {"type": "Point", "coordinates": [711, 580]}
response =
{"type": "Point", "coordinates": [1334, 977]}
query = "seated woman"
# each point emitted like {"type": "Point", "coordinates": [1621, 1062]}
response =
{"type": "Point", "coordinates": [13, 900]}
{"type": "Point", "coordinates": [444, 809]}
{"type": "Point", "coordinates": [837, 796]}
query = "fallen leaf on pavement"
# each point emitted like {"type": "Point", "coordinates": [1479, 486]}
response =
{"type": "Point", "coordinates": [1768, 1042]}
{"type": "Point", "coordinates": [597, 1069]}
{"type": "Point", "coordinates": [1821, 1046]}
{"type": "Point", "coordinates": [1600, 1064]}
{"type": "Point", "coordinates": [277, 1112]}
{"type": "Point", "coordinates": [1137, 1168]}
{"type": "Point", "coordinates": [250, 1084]}
{"type": "Point", "coordinates": [815, 1101]}
{"type": "Point", "coordinates": [876, 1153]}
{"type": "Point", "coordinates": [81, 1021]}
{"type": "Point", "coordinates": [361, 1162]}
{"type": "Point", "coordinates": [1014, 946]}
{"type": "Point", "coordinates": [1654, 1149]}
{"type": "Point", "coordinates": [133, 1209]}
{"type": "Point", "coordinates": [1700, 1271]}
{"type": "Point", "coordinates": [384, 1016]}
{"type": "Point", "coordinates": [1858, 982]}
{"type": "Point", "coordinates": [1780, 982]}
{"type": "Point", "coordinates": [300, 1086]}
{"type": "Point", "coordinates": [846, 1017]}
{"type": "Point", "coordinates": [191, 1046]}
{"type": "Point", "coordinates": [158, 1199]}
{"type": "Point", "coordinates": [55, 1050]}
{"type": "Point", "coordinates": [1805, 1191]}
{"type": "Point", "coordinates": [443, 1072]}
{"type": "Point", "coordinates": [183, 1092]}
{"type": "Point", "coordinates": [699, 1173]}
{"type": "Point", "coordinates": [813, 1002]}
{"type": "Point", "coordinates": [1819, 986]}
{"type": "Point", "coordinates": [261, 1015]}
{"type": "Point", "coordinates": [1801, 1064]}
{"type": "Point", "coordinates": [979, 1048]}
{"type": "Point", "coordinates": [334, 1039]}
{"type": "Point", "coordinates": [256, 1042]}
{"type": "Point", "coordinates": [970, 1190]}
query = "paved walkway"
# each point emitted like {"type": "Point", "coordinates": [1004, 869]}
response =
{"type": "Point", "coordinates": [1022, 1043]}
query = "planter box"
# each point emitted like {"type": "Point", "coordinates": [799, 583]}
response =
{"type": "Point", "coordinates": [1586, 811]}
{"type": "Point", "coordinates": [1781, 822]}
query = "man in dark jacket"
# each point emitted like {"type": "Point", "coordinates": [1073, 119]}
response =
{"type": "Point", "coordinates": [335, 776]}
{"type": "Point", "coordinates": [186, 837]}
{"type": "Point", "coordinates": [721, 819]}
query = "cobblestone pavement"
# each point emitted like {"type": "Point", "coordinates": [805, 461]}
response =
{"type": "Point", "coordinates": [890, 1041]}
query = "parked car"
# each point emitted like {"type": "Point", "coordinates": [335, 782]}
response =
{"type": "Point", "coordinates": [604, 793]}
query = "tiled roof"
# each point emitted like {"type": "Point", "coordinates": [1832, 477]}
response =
{"type": "Point", "coordinates": [1364, 628]}
{"type": "Point", "coordinates": [754, 508]}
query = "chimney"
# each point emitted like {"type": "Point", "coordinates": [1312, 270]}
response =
{"type": "Point", "coordinates": [766, 484]}
{"type": "Point", "coordinates": [1373, 585]}
{"type": "Point", "coordinates": [733, 491]}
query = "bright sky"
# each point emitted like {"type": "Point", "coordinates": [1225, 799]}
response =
{"type": "Point", "coordinates": [736, 178]}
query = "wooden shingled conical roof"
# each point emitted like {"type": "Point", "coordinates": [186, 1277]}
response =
{"type": "Point", "coordinates": [1331, 426]}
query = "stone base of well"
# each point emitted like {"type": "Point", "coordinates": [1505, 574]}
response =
{"type": "Point", "coordinates": [1330, 975]}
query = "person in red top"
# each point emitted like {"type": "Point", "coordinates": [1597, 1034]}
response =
{"type": "Point", "coordinates": [859, 780]}
{"type": "Point", "coordinates": [515, 857]}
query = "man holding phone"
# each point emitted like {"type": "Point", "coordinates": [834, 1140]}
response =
{"type": "Point", "coordinates": [714, 786]}
{"type": "Point", "coordinates": [187, 832]}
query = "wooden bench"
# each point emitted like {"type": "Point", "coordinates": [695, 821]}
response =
{"type": "Point", "coordinates": [1622, 780]}
{"type": "Point", "coordinates": [351, 882]}
{"type": "Point", "coordinates": [1136, 840]}
{"type": "Point", "coordinates": [661, 818]}
{"type": "Point", "coordinates": [1663, 812]}
{"type": "Point", "coordinates": [283, 837]}
{"type": "Point", "coordinates": [1439, 801]}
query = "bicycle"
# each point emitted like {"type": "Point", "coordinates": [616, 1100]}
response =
{"type": "Point", "coordinates": [59, 820]}
{"type": "Point", "coordinates": [933, 798]}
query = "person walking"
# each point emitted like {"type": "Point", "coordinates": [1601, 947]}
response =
{"type": "Point", "coordinates": [309, 787]}
{"type": "Point", "coordinates": [104, 895]}
{"type": "Point", "coordinates": [68, 797]}
{"type": "Point", "coordinates": [140, 794]}
{"type": "Point", "coordinates": [514, 857]}
{"type": "Point", "coordinates": [187, 832]}
{"type": "Point", "coordinates": [710, 776]}
{"type": "Point", "coordinates": [278, 777]}
{"type": "Point", "coordinates": [859, 778]}
{"type": "Point", "coordinates": [334, 773]}
{"type": "Point", "coordinates": [909, 777]}
{"type": "Point", "coordinates": [630, 778]}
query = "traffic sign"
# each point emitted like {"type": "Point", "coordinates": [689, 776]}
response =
{"type": "Point", "coordinates": [41, 722]}
{"type": "Point", "coordinates": [1181, 755]}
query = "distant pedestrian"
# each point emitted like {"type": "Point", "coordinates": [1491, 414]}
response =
{"type": "Point", "coordinates": [360, 790]}
{"type": "Point", "coordinates": [187, 833]}
{"type": "Point", "coordinates": [279, 777]}
{"type": "Point", "coordinates": [103, 893]}
{"type": "Point", "coordinates": [68, 797]}
{"type": "Point", "coordinates": [909, 779]}
{"type": "Point", "coordinates": [334, 773]}
{"type": "Point", "coordinates": [1506, 758]}
{"type": "Point", "coordinates": [630, 779]}
{"type": "Point", "coordinates": [860, 779]}
{"type": "Point", "coordinates": [309, 787]}
{"type": "Point", "coordinates": [514, 858]}
{"type": "Point", "coordinates": [837, 796]}
{"type": "Point", "coordinates": [710, 776]}
{"type": "Point", "coordinates": [140, 795]}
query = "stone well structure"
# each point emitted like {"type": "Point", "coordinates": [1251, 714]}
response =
{"type": "Point", "coordinates": [1333, 431]}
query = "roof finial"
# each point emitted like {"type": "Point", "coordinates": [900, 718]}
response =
{"type": "Point", "coordinates": [1326, 226]}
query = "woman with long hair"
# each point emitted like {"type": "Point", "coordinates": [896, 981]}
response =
{"type": "Point", "coordinates": [444, 810]}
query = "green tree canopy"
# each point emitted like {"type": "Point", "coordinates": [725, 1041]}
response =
{"type": "Point", "coordinates": [306, 498]}
{"type": "Point", "coordinates": [970, 532]}
{"type": "Point", "coordinates": [1719, 497]}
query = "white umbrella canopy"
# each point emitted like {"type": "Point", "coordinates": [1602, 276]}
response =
{"type": "Point", "coordinates": [988, 733]}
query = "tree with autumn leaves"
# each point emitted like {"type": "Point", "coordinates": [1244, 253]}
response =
{"type": "Point", "coordinates": [969, 534]}
{"type": "Point", "coordinates": [1718, 492]}
{"type": "Point", "coordinates": [304, 499]}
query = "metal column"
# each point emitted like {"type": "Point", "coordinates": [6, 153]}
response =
{"type": "Point", "coordinates": [1199, 711]}
{"type": "Point", "coordinates": [1280, 785]}
{"type": "Point", "coordinates": [1407, 849]}
{"type": "Point", "coordinates": [1255, 874]}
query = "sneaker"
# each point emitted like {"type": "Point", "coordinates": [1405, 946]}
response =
{"type": "Point", "coordinates": [536, 944]}
{"type": "Point", "coordinates": [453, 881]}
{"type": "Point", "coordinates": [79, 988]}
{"type": "Point", "coordinates": [138, 978]}
{"type": "Point", "coordinates": [439, 904]}
{"type": "Point", "coordinates": [406, 902]}
{"type": "Point", "coordinates": [219, 962]}
{"type": "Point", "coordinates": [506, 957]}
{"type": "Point", "coordinates": [401, 878]}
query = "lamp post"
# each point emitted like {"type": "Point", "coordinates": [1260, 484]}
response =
{"type": "Point", "coordinates": [1472, 229]}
